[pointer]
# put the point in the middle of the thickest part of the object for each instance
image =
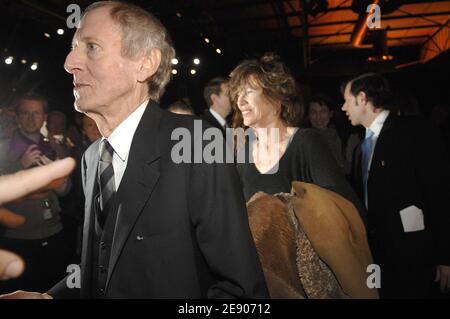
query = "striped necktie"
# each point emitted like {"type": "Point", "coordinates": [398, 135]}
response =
{"type": "Point", "coordinates": [106, 180]}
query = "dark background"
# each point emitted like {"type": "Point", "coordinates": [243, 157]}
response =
{"type": "Point", "coordinates": [231, 26]}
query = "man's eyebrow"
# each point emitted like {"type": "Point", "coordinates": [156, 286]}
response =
{"type": "Point", "coordinates": [85, 40]}
{"type": "Point", "coordinates": [89, 39]}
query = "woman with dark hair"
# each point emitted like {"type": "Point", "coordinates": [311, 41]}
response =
{"type": "Point", "coordinates": [266, 100]}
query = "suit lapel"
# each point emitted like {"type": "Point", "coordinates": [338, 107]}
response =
{"type": "Point", "coordinates": [90, 184]}
{"type": "Point", "coordinates": [213, 121]}
{"type": "Point", "coordinates": [380, 147]}
{"type": "Point", "coordinates": [139, 180]}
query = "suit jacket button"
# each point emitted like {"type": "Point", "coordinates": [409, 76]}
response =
{"type": "Point", "coordinates": [102, 269]}
{"type": "Point", "coordinates": [102, 245]}
{"type": "Point", "coordinates": [140, 238]}
{"type": "Point", "coordinates": [101, 291]}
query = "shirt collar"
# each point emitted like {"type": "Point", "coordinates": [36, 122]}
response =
{"type": "Point", "coordinates": [218, 117]}
{"type": "Point", "coordinates": [378, 123]}
{"type": "Point", "coordinates": [121, 138]}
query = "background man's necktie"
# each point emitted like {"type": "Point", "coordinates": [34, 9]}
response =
{"type": "Point", "coordinates": [366, 150]}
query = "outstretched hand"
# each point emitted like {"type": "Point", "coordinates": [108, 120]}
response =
{"type": "Point", "coordinates": [15, 186]}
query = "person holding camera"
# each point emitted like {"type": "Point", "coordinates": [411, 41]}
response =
{"type": "Point", "coordinates": [39, 240]}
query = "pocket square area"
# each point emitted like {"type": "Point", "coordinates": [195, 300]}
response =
{"type": "Point", "coordinates": [412, 219]}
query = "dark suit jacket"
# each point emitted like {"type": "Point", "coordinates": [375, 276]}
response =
{"type": "Point", "coordinates": [191, 219]}
{"type": "Point", "coordinates": [408, 168]}
{"type": "Point", "coordinates": [209, 117]}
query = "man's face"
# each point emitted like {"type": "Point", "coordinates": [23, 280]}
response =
{"type": "Point", "coordinates": [102, 76]}
{"type": "Point", "coordinates": [31, 116]}
{"type": "Point", "coordinates": [354, 111]}
{"type": "Point", "coordinates": [56, 124]}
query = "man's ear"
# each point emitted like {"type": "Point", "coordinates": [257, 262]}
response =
{"type": "Point", "coordinates": [361, 98]}
{"type": "Point", "coordinates": [149, 64]}
{"type": "Point", "coordinates": [213, 98]}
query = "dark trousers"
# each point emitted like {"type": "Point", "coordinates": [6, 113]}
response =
{"type": "Point", "coordinates": [44, 263]}
{"type": "Point", "coordinates": [403, 282]}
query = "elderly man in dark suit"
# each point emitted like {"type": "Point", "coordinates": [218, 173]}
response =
{"type": "Point", "coordinates": [153, 228]}
{"type": "Point", "coordinates": [402, 175]}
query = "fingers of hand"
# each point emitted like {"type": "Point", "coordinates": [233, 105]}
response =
{"type": "Point", "coordinates": [11, 265]}
{"type": "Point", "coordinates": [44, 159]}
{"type": "Point", "coordinates": [31, 148]}
{"type": "Point", "coordinates": [22, 183]}
{"type": "Point", "coordinates": [25, 295]}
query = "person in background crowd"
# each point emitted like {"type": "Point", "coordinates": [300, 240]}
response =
{"type": "Point", "coordinates": [8, 126]}
{"type": "Point", "coordinates": [217, 98]}
{"type": "Point", "coordinates": [57, 133]}
{"type": "Point", "coordinates": [320, 115]}
{"type": "Point", "coordinates": [19, 185]}
{"type": "Point", "coordinates": [40, 239]}
{"type": "Point", "coordinates": [401, 173]}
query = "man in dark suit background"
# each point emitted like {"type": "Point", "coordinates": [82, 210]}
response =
{"type": "Point", "coordinates": [217, 98]}
{"type": "Point", "coordinates": [154, 228]}
{"type": "Point", "coordinates": [402, 176]}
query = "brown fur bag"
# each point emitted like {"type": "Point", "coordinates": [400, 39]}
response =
{"type": "Point", "coordinates": [311, 243]}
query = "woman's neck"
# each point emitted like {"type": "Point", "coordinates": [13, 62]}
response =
{"type": "Point", "coordinates": [274, 132]}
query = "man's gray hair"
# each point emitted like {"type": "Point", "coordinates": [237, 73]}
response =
{"type": "Point", "coordinates": [142, 32]}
